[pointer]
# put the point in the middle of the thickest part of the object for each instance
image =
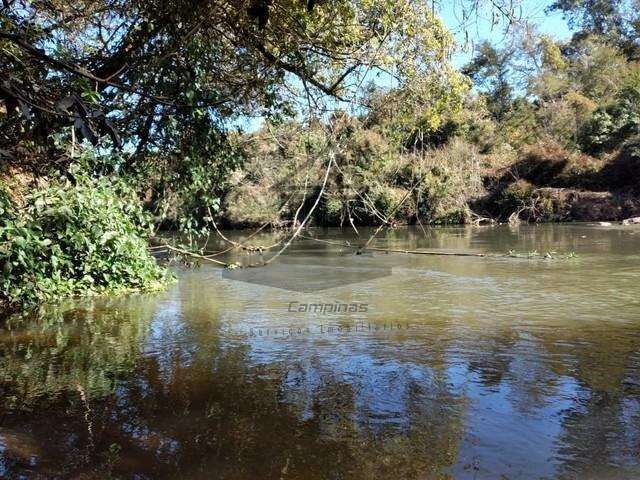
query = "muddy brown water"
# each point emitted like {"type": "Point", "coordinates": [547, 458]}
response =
{"type": "Point", "coordinates": [330, 365]}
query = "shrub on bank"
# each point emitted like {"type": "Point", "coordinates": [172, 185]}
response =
{"type": "Point", "coordinates": [67, 239]}
{"type": "Point", "coordinates": [452, 179]}
{"type": "Point", "coordinates": [251, 205]}
{"type": "Point", "coordinates": [612, 124]}
{"type": "Point", "coordinates": [515, 197]}
{"type": "Point", "coordinates": [550, 164]}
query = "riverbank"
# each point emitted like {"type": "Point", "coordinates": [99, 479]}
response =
{"type": "Point", "coordinates": [456, 184]}
{"type": "Point", "coordinates": [79, 235]}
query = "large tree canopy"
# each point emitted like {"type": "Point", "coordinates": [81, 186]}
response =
{"type": "Point", "coordinates": [133, 70]}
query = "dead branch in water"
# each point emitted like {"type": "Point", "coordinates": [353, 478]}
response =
{"type": "Point", "coordinates": [195, 255]}
{"type": "Point", "coordinates": [511, 254]}
{"type": "Point", "coordinates": [299, 228]}
{"type": "Point", "coordinates": [357, 248]}
{"type": "Point", "coordinates": [396, 250]}
{"type": "Point", "coordinates": [395, 209]}
{"type": "Point", "coordinates": [304, 199]}
{"type": "Point", "coordinates": [306, 219]}
{"type": "Point", "coordinates": [249, 248]}
{"type": "Point", "coordinates": [351, 220]}
{"type": "Point", "coordinates": [220, 234]}
{"type": "Point", "coordinates": [363, 197]}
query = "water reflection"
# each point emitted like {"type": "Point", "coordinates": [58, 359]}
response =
{"type": "Point", "coordinates": [526, 369]}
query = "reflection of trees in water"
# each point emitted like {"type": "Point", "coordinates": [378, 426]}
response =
{"type": "Point", "coordinates": [233, 420]}
{"type": "Point", "coordinates": [53, 364]}
{"type": "Point", "coordinates": [599, 434]}
{"type": "Point", "coordinates": [230, 420]}
{"type": "Point", "coordinates": [601, 431]}
{"type": "Point", "coordinates": [600, 437]}
{"type": "Point", "coordinates": [493, 356]}
{"type": "Point", "coordinates": [62, 349]}
{"type": "Point", "coordinates": [200, 403]}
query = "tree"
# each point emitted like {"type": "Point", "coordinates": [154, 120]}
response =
{"type": "Point", "coordinates": [490, 69]}
{"type": "Point", "coordinates": [124, 67]}
{"type": "Point", "coordinates": [601, 17]}
{"type": "Point", "coordinates": [617, 20]}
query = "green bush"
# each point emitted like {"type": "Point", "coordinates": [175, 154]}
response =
{"type": "Point", "coordinates": [386, 198]}
{"type": "Point", "coordinates": [334, 209]}
{"type": "Point", "coordinates": [451, 179]}
{"type": "Point", "coordinates": [516, 196]}
{"type": "Point", "coordinates": [69, 239]}
{"type": "Point", "coordinates": [613, 124]}
{"type": "Point", "coordinates": [251, 205]}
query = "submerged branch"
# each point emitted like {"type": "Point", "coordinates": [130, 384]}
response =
{"type": "Point", "coordinates": [394, 250]}
{"type": "Point", "coordinates": [510, 254]}
{"type": "Point", "coordinates": [250, 248]}
{"type": "Point", "coordinates": [390, 215]}
{"type": "Point", "coordinates": [195, 255]}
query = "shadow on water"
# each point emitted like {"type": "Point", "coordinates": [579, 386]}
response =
{"type": "Point", "coordinates": [447, 368]}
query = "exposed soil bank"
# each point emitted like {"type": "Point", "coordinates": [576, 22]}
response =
{"type": "Point", "coordinates": [549, 184]}
{"type": "Point", "coordinates": [575, 205]}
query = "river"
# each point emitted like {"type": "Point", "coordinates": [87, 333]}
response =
{"type": "Point", "coordinates": [331, 365]}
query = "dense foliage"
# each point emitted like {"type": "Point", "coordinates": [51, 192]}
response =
{"type": "Point", "coordinates": [379, 158]}
{"type": "Point", "coordinates": [154, 75]}
{"type": "Point", "coordinates": [548, 123]}
{"type": "Point", "coordinates": [145, 93]}
{"type": "Point", "coordinates": [68, 238]}
{"type": "Point", "coordinates": [159, 84]}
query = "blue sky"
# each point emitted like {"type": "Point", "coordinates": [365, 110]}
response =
{"type": "Point", "coordinates": [481, 29]}
{"type": "Point", "coordinates": [533, 11]}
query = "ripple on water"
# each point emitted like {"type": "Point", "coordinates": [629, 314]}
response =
{"type": "Point", "coordinates": [471, 367]}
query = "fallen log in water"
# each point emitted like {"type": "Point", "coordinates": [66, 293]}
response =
{"type": "Point", "coordinates": [510, 254]}
{"type": "Point", "coordinates": [359, 248]}
{"type": "Point", "coordinates": [396, 250]}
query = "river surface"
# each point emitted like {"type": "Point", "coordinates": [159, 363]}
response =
{"type": "Point", "coordinates": [331, 365]}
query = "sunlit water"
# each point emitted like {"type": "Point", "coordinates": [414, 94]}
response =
{"type": "Point", "coordinates": [440, 367]}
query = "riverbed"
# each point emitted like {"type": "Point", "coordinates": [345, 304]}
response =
{"type": "Point", "coordinates": [331, 363]}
